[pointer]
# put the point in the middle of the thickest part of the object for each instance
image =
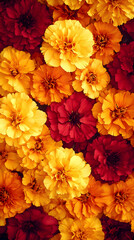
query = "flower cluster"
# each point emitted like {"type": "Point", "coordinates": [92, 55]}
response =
{"type": "Point", "coordinates": [67, 119]}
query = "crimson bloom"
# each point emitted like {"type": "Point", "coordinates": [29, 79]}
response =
{"type": "Point", "coordinates": [111, 158]}
{"type": "Point", "coordinates": [25, 23]}
{"type": "Point", "coordinates": [128, 29]}
{"type": "Point", "coordinates": [33, 224]}
{"type": "Point", "coordinates": [71, 119]}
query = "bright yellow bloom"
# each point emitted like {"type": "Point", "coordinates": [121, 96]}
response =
{"type": "Point", "coordinates": [66, 173]}
{"type": "Point", "coordinates": [19, 118]}
{"type": "Point", "coordinates": [51, 84]}
{"type": "Point", "coordinates": [15, 69]}
{"type": "Point", "coordinates": [75, 4]}
{"type": "Point", "coordinates": [91, 80]}
{"type": "Point", "coordinates": [67, 44]}
{"type": "Point", "coordinates": [11, 196]}
{"type": "Point", "coordinates": [120, 201]}
{"type": "Point", "coordinates": [115, 113]}
{"type": "Point", "coordinates": [88, 204]}
{"type": "Point", "coordinates": [107, 41]}
{"type": "Point", "coordinates": [88, 229]}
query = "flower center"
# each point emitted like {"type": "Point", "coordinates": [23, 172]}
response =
{"type": "Point", "coordinates": [49, 82]}
{"type": "Point", "coordinates": [4, 195]}
{"type": "Point", "coordinates": [112, 158]}
{"type": "Point", "coordinates": [15, 120]}
{"type": "Point", "coordinates": [14, 72]}
{"type": "Point", "coordinates": [38, 145]}
{"type": "Point", "coordinates": [100, 41]}
{"type": "Point", "coordinates": [84, 197]}
{"type": "Point", "coordinates": [91, 77]}
{"type": "Point", "coordinates": [118, 112]}
{"type": "Point", "coordinates": [33, 185]}
{"type": "Point", "coordinates": [74, 118]}
{"type": "Point", "coordinates": [120, 197]}
{"type": "Point", "coordinates": [79, 235]}
{"type": "Point", "coordinates": [29, 226]}
{"type": "Point", "coordinates": [3, 155]}
{"type": "Point", "coordinates": [26, 20]}
{"type": "Point", "coordinates": [60, 175]}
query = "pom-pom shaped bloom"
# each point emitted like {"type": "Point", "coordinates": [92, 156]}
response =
{"type": "Point", "coordinates": [115, 113]}
{"type": "Point", "coordinates": [25, 23]}
{"type": "Point", "coordinates": [88, 204]}
{"type": "Point", "coordinates": [19, 118]}
{"type": "Point", "coordinates": [34, 223]}
{"type": "Point", "coordinates": [87, 229]}
{"type": "Point", "coordinates": [107, 38]}
{"type": "Point", "coordinates": [15, 69]}
{"type": "Point", "coordinates": [66, 173]}
{"type": "Point", "coordinates": [122, 68]}
{"type": "Point", "coordinates": [111, 158]}
{"type": "Point", "coordinates": [51, 84]}
{"type": "Point", "coordinates": [75, 4]}
{"type": "Point", "coordinates": [11, 196]}
{"type": "Point", "coordinates": [92, 80]}
{"type": "Point", "coordinates": [63, 46]}
{"type": "Point", "coordinates": [72, 120]}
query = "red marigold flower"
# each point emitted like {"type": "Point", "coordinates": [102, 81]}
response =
{"type": "Point", "coordinates": [122, 68]}
{"type": "Point", "coordinates": [25, 23]}
{"type": "Point", "coordinates": [111, 158]}
{"type": "Point", "coordinates": [32, 224]}
{"type": "Point", "coordinates": [129, 28]}
{"type": "Point", "coordinates": [72, 120]}
{"type": "Point", "coordinates": [115, 230]}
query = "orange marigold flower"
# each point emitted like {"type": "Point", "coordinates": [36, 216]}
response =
{"type": "Point", "coordinates": [19, 118]}
{"type": "Point", "coordinates": [87, 229]}
{"type": "Point", "coordinates": [66, 173]}
{"type": "Point", "coordinates": [91, 80]}
{"type": "Point", "coordinates": [107, 41]}
{"type": "Point", "coordinates": [51, 84]}
{"type": "Point", "coordinates": [15, 69]}
{"type": "Point", "coordinates": [115, 113]}
{"type": "Point", "coordinates": [119, 201]}
{"type": "Point", "coordinates": [88, 204]}
{"type": "Point", "coordinates": [11, 196]}
{"type": "Point", "coordinates": [63, 46]}
{"type": "Point", "coordinates": [35, 149]}
{"type": "Point", "coordinates": [75, 4]}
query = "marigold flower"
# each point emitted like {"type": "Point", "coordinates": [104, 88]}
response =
{"type": "Point", "coordinates": [66, 173]}
{"type": "Point", "coordinates": [19, 118]}
{"type": "Point", "coordinates": [63, 46]}
{"type": "Point", "coordinates": [15, 69]}
{"type": "Point", "coordinates": [92, 80]}
{"type": "Point", "coordinates": [107, 38]}
{"type": "Point", "coordinates": [53, 2]}
{"type": "Point", "coordinates": [87, 229]}
{"type": "Point", "coordinates": [75, 4]}
{"type": "Point", "coordinates": [115, 113]}
{"type": "Point", "coordinates": [51, 84]}
{"type": "Point", "coordinates": [11, 196]}
{"type": "Point", "coordinates": [88, 204]}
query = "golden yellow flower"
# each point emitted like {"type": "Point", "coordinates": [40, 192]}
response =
{"type": "Point", "coordinates": [116, 12]}
{"type": "Point", "coordinates": [19, 118]}
{"type": "Point", "coordinates": [66, 173]}
{"type": "Point", "coordinates": [88, 204]}
{"type": "Point", "coordinates": [115, 113]}
{"type": "Point", "coordinates": [11, 196]}
{"type": "Point", "coordinates": [35, 149]}
{"type": "Point", "coordinates": [75, 4]}
{"type": "Point", "coordinates": [88, 229]}
{"type": "Point", "coordinates": [67, 44]}
{"type": "Point", "coordinates": [107, 41]}
{"type": "Point", "coordinates": [15, 69]}
{"type": "Point", "coordinates": [91, 80]}
{"type": "Point", "coordinates": [120, 201]}
{"type": "Point", "coordinates": [51, 84]}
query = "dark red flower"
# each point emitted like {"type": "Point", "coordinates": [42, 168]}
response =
{"type": "Point", "coordinates": [71, 119]}
{"type": "Point", "coordinates": [128, 28]}
{"type": "Point", "coordinates": [33, 224]}
{"type": "Point", "coordinates": [115, 230]}
{"type": "Point", "coordinates": [25, 23]}
{"type": "Point", "coordinates": [6, 3]}
{"type": "Point", "coordinates": [122, 68]}
{"type": "Point", "coordinates": [111, 158]}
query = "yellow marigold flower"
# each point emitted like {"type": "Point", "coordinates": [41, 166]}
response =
{"type": "Point", "coordinates": [119, 201]}
{"type": "Point", "coordinates": [107, 41]}
{"type": "Point", "coordinates": [9, 157]}
{"type": "Point", "coordinates": [115, 113]}
{"type": "Point", "coordinates": [91, 80]}
{"type": "Point", "coordinates": [88, 204]}
{"type": "Point", "coordinates": [19, 118]}
{"type": "Point", "coordinates": [66, 173]}
{"type": "Point", "coordinates": [15, 67]}
{"type": "Point", "coordinates": [34, 189]}
{"type": "Point", "coordinates": [11, 196]}
{"type": "Point", "coordinates": [51, 84]}
{"type": "Point", "coordinates": [67, 44]}
{"type": "Point", "coordinates": [75, 4]}
{"type": "Point", "coordinates": [88, 229]}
